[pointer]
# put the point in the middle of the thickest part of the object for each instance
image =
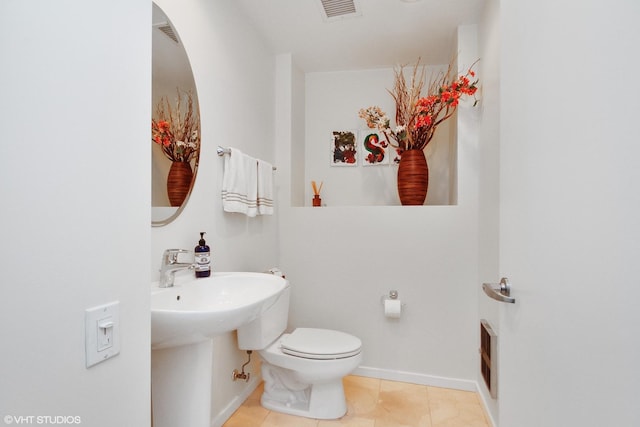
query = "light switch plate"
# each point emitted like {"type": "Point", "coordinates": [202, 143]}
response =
{"type": "Point", "coordinates": [102, 333]}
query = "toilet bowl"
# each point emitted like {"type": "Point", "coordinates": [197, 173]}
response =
{"type": "Point", "coordinates": [302, 370]}
{"type": "Point", "coordinates": [306, 380]}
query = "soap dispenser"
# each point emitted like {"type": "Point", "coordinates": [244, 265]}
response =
{"type": "Point", "coordinates": [202, 258]}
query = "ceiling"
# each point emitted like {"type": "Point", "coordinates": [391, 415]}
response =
{"type": "Point", "coordinates": [387, 32]}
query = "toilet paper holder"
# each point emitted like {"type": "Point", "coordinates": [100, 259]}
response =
{"type": "Point", "coordinates": [393, 294]}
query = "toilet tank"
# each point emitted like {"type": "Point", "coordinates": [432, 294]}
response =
{"type": "Point", "coordinates": [259, 333]}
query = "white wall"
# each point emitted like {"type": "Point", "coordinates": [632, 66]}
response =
{"type": "Point", "coordinates": [74, 181]}
{"type": "Point", "coordinates": [290, 128]}
{"type": "Point", "coordinates": [234, 75]}
{"type": "Point", "coordinates": [342, 259]}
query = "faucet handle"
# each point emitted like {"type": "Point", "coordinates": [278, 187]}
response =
{"type": "Point", "coordinates": [170, 256]}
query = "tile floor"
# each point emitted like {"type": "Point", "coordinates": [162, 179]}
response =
{"type": "Point", "coordinates": [378, 403]}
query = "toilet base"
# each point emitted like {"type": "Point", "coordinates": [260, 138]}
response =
{"type": "Point", "coordinates": [305, 387]}
{"type": "Point", "coordinates": [325, 401]}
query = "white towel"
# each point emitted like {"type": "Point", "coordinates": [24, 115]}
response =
{"type": "Point", "coordinates": [240, 183]}
{"type": "Point", "coordinates": [265, 188]}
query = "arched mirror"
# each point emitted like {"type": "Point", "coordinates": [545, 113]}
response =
{"type": "Point", "coordinates": [175, 125]}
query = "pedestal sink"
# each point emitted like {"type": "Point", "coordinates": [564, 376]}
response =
{"type": "Point", "coordinates": [195, 310]}
{"type": "Point", "coordinates": [184, 320]}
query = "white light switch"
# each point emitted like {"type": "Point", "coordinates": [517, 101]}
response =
{"type": "Point", "coordinates": [105, 333]}
{"type": "Point", "coordinates": [102, 327]}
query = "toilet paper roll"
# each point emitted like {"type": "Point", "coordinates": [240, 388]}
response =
{"type": "Point", "coordinates": [392, 308]}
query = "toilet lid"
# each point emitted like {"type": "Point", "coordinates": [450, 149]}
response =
{"type": "Point", "coordinates": [320, 344]}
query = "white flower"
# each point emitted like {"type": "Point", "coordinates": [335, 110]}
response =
{"type": "Point", "coordinates": [194, 136]}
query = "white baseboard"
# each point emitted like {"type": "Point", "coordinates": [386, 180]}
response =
{"type": "Point", "coordinates": [483, 400]}
{"type": "Point", "coordinates": [237, 402]}
{"type": "Point", "coordinates": [414, 378]}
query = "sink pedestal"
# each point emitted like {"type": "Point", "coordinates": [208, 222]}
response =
{"type": "Point", "coordinates": [185, 319]}
{"type": "Point", "coordinates": [181, 385]}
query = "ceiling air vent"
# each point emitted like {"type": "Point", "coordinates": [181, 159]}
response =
{"type": "Point", "coordinates": [339, 9]}
{"type": "Point", "coordinates": [166, 28]}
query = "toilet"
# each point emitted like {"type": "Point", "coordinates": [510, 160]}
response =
{"type": "Point", "coordinates": [302, 370]}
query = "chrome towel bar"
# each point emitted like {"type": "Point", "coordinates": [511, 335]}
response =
{"type": "Point", "coordinates": [222, 151]}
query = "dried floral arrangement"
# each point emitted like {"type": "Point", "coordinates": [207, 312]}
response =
{"type": "Point", "coordinates": [176, 129]}
{"type": "Point", "coordinates": [417, 117]}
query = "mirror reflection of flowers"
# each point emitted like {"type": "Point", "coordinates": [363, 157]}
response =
{"type": "Point", "coordinates": [176, 129]}
{"type": "Point", "coordinates": [417, 117]}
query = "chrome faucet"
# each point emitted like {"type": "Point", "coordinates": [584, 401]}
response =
{"type": "Point", "coordinates": [170, 266]}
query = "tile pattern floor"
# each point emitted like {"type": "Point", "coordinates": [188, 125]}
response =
{"type": "Point", "coordinates": [378, 403]}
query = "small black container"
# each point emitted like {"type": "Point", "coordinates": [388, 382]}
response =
{"type": "Point", "coordinates": [202, 258]}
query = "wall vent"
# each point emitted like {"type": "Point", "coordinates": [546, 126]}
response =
{"type": "Point", "coordinates": [339, 9]}
{"type": "Point", "coordinates": [489, 357]}
{"type": "Point", "coordinates": [167, 29]}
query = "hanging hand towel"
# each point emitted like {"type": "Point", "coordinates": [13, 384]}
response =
{"type": "Point", "coordinates": [265, 188]}
{"type": "Point", "coordinates": [240, 183]}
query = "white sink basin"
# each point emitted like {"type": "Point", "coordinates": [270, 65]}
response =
{"type": "Point", "coordinates": [195, 310]}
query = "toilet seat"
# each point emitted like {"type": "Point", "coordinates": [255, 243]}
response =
{"type": "Point", "coordinates": [320, 344]}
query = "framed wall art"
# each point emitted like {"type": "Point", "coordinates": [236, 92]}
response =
{"type": "Point", "coordinates": [374, 148]}
{"type": "Point", "coordinates": [344, 148]}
